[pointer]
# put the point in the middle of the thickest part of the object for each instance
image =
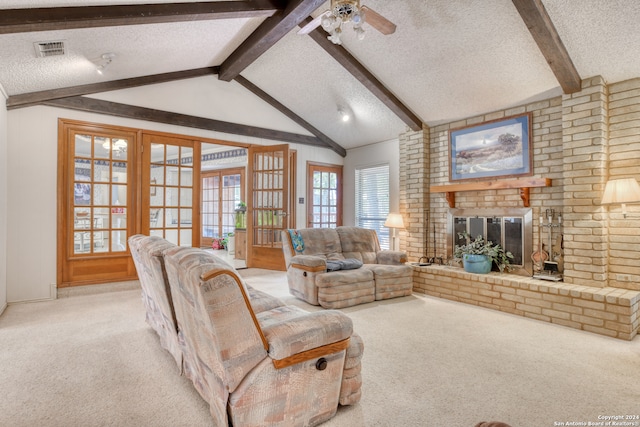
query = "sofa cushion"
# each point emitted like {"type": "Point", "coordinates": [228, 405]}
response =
{"type": "Point", "coordinates": [320, 241]}
{"type": "Point", "coordinates": [359, 243]}
{"type": "Point", "coordinates": [338, 278]}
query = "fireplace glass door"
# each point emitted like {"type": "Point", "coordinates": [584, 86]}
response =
{"type": "Point", "coordinates": [510, 229]}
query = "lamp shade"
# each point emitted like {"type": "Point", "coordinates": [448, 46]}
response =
{"type": "Point", "coordinates": [394, 220]}
{"type": "Point", "coordinates": [619, 191]}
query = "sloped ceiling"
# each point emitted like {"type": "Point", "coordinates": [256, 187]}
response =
{"type": "Point", "coordinates": [447, 60]}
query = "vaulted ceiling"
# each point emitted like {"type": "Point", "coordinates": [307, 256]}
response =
{"type": "Point", "coordinates": [240, 67]}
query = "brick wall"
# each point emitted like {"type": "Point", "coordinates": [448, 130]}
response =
{"type": "Point", "coordinates": [414, 184]}
{"type": "Point", "coordinates": [585, 140]}
{"type": "Point", "coordinates": [624, 162]}
{"type": "Point", "coordinates": [579, 141]}
{"type": "Point", "coordinates": [547, 155]}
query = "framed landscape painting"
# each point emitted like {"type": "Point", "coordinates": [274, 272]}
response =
{"type": "Point", "coordinates": [496, 149]}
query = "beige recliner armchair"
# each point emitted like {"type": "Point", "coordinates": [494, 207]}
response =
{"type": "Point", "coordinates": [156, 295]}
{"type": "Point", "coordinates": [281, 366]}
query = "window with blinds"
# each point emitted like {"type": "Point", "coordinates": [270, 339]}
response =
{"type": "Point", "coordinates": [372, 200]}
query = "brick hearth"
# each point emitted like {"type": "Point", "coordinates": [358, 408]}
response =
{"type": "Point", "coordinates": [607, 311]}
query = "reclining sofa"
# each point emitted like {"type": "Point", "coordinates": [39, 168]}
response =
{"type": "Point", "coordinates": [343, 266]}
{"type": "Point", "coordinates": [255, 360]}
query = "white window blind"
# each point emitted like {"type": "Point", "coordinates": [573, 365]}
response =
{"type": "Point", "coordinates": [372, 200]}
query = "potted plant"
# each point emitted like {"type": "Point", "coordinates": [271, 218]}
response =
{"type": "Point", "coordinates": [478, 256]}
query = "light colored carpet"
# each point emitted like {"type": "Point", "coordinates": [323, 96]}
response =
{"type": "Point", "coordinates": [91, 360]}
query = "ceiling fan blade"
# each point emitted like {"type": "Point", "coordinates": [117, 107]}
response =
{"type": "Point", "coordinates": [378, 21]}
{"type": "Point", "coordinates": [313, 24]}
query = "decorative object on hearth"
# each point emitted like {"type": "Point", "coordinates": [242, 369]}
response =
{"type": "Point", "coordinates": [343, 12]}
{"type": "Point", "coordinates": [621, 191]}
{"type": "Point", "coordinates": [499, 148]}
{"type": "Point", "coordinates": [472, 263]}
{"type": "Point", "coordinates": [553, 265]}
{"type": "Point", "coordinates": [541, 255]}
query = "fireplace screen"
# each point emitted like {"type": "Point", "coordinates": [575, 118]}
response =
{"type": "Point", "coordinates": [510, 228]}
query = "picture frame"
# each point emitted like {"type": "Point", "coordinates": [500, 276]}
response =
{"type": "Point", "coordinates": [496, 149]}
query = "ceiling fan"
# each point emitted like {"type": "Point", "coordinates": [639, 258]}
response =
{"type": "Point", "coordinates": [343, 11]}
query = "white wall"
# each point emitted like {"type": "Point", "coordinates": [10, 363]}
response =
{"type": "Point", "coordinates": [3, 201]}
{"type": "Point", "coordinates": [32, 144]}
{"type": "Point", "coordinates": [387, 152]}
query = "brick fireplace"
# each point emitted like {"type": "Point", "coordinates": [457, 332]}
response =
{"type": "Point", "coordinates": [579, 141]}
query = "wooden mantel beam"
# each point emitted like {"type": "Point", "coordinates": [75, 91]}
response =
{"type": "Point", "coordinates": [524, 184]}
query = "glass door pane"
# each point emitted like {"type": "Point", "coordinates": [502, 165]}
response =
{"type": "Point", "coordinates": [222, 192]}
{"type": "Point", "coordinates": [170, 183]}
{"type": "Point", "coordinates": [100, 194]}
{"type": "Point", "coordinates": [171, 193]}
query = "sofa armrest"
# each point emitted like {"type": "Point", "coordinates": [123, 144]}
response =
{"type": "Point", "coordinates": [391, 257]}
{"type": "Point", "coordinates": [308, 263]}
{"type": "Point", "coordinates": [307, 337]}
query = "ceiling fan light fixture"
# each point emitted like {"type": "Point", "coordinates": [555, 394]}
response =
{"type": "Point", "coordinates": [345, 9]}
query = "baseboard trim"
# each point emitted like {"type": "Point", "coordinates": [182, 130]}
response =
{"type": "Point", "coordinates": [3, 308]}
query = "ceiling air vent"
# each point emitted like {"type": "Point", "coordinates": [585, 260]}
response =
{"type": "Point", "coordinates": [45, 49]}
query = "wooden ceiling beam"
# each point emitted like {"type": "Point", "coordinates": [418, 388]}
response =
{"type": "Point", "coordinates": [539, 23]}
{"type": "Point", "coordinates": [293, 116]}
{"type": "Point", "coordinates": [266, 35]}
{"type": "Point", "coordinates": [364, 76]}
{"type": "Point", "coordinates": [64, 18]}
{"type": "Point", "coordinates": [34, 98]}
{"type": "Point", "coordinates": [81, 103]}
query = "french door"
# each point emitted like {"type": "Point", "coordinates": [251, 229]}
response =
{"type": "Point", "coordinates": [268, 205]}
{"type": "Point", "coordinates": [171, 182]}
{"type": "Point", "coordinates": [116, 182]}
{"type": "Point", "coordinates": [96, 204]}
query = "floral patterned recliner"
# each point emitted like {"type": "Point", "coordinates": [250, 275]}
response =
{"type": "Point", "coordinates": [365, 272]}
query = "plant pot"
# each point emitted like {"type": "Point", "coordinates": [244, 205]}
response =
{"type": "Point", "coordinates": [480, 264]}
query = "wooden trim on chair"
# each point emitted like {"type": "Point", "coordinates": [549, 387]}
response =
{"type": "Point", "coordinates": [312, 354]}
{"type": "Point", "coordinates": [312, 269]}
{"type": "Point", "coordinates": [220, 271]}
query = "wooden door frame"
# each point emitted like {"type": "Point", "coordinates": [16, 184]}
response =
{"type": "Point", "coordinates": [115, 267]}
{"type": "Point", "coordinates": [263, 257]}
{"type": "Point", "coordinates": [311, 166]}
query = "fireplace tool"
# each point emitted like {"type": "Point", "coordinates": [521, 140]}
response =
{"type": "Point", "coordinates": [551, 266]}
{"type": "Point", "coordinates": [435, 259]}
{"type": "Point", "coordinates": [425, 261]}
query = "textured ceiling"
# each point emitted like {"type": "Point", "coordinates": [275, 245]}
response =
{"type": "Point", "coordinates": [448, 59]}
